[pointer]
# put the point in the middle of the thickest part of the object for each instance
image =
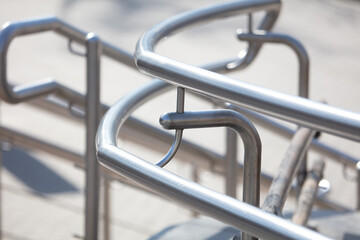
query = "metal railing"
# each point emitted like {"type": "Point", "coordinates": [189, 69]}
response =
{"type": "Point", "coordinates": [250, 219]}
{"type": "Point", "coordinates": [218, 88]}
{"type": "Point", "coordinates": [297, 110]}
{"type": "Point", "coordinates": [63, 99]}
{"type": "Point", "coordinates": [293, 109]}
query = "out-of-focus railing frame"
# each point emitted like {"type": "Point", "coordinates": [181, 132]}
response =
{"type": "Point", "coordinates": [25, 92]}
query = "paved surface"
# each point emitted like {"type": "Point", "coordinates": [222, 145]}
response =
{"type": "Point", "coordinates": [35, 208]}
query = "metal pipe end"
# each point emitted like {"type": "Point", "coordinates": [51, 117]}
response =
{"type": "Point", "coordinates": [165, 120]}
{"type": "Point", "coordinates": [92, 37]}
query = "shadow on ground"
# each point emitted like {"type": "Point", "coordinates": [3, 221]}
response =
{"type": "Point", "coordinates": [34, 174]}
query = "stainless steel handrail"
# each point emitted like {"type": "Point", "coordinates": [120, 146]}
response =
{"type": "Point", "coordinates": [236, 121]}
{"type": "Point", "coordinates": [241, 215]}
{"type": "Point", "coordinates": [249, 136]}
{"type": "Point", "coordinates": [24, 92]}
{"type": "Point", "coordinates": [44, 87]}
{"type": "Point", "coordinates": [294, 109]}
{"type": "Point", "coordinates": [295, 45]}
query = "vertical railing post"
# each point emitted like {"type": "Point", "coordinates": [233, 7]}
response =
{"type": "Point", "coordinates": [1, 189]}
{"type": "Point", "coordinates": [93, 47]}
{"type": "Point", "coordinates": [106, 199]}
{"type": "Point", "coordinates": [358, 186]}
{"type": "Point", "coordinates": [196, 178]}
{"type": "Point", "coordinates": [230, 163]}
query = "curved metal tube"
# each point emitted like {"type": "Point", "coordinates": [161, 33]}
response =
{"type": "Point", "coordinates": [178, 133]}
{"type": "Point", "coordinates": [303, 83]}
{"type": "Point", "coordinates": [294, 109]}
{"type": "Point", "coordinates": [294, 44]}
{"type": "Point", "coordinates": [43, 87]}
{"type": "Point", "coordinates": [241, 215]}
{"type": "Point", "coordinates": [236, 121]}
{"type": "Point", "coordinates": [272, 8]}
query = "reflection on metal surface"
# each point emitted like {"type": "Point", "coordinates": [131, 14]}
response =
{"type": "Point", "coordinates": [223, 91]}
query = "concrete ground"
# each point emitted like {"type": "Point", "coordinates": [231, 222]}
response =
{"type": "Point", "coordinates": [47, 202]}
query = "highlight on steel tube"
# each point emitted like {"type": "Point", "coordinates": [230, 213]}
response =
{"type": "Point", "coordinates": [83, 155]}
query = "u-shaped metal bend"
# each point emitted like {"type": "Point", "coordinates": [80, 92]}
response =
{"type": "Point", "coordinates": [236, 121]}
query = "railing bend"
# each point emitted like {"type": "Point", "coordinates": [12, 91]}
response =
{"type": "Point", "coordinates": [43, 87]}
{"type": "Point", "coordinates": [241, 215]}
{"type": "Point", "coordinates": [294, 109]}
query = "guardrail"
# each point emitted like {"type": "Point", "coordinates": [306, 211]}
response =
{"type": "Point", "coordinates": [298, 110]}
{"type": "Point", "coordinates": [217, 88]}
{"type": "Point", "coordinates": [241, 215]}
{"type": "Point", "coordinates": [69, 98]}
{"type": "Point", "coordinates": [293, 109]}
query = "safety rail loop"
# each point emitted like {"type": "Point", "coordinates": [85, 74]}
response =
{"type": "Point", "coordinates": [241, 215]}
{"type": "Point", "coordinates": [294, 109]}
{"type": "Point", "coordinates": [43, 87]}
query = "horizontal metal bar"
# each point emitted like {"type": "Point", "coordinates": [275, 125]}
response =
{"type": "Point", "coordinates": [250, 219]}
{"type": "Point", "coordinates": [135, 131]}
{"type": "Point", "coordinates": [157, 139]}
{"type": "Point", "coordinates": [139, 132]}
{"type": "Point", "coordinates": [294, 109]}
{"type": "Point", "coordinates": [241, 215]}
{"type": "Point", "coordinates": [285, 131]}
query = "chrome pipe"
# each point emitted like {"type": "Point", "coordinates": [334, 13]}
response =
{"type": "Point", "coordinates": [303, 59]}
{"type": "Point", "coordinates": [241, 215]}
{"type": "Point", "coordinates": [358, 186]}
{"type": "Point", "coordinates": [294, 44]}
{"type": "Point", "coordinates": [294, 109]}
{"type": "Point", "coordinates": [107, 203]}
{"type": "Point", "coordinates": [249, 136]}
{"type": "Point", "coordinates": [285, 131]}
{"type": "Point", "coordinates": [180, 102]}
{"type": "Point", "coordinates": [236, 121]}
{"type": "Point", "coordinates": [92, 176]}
{"type": "Point", "coordinates": [231, 163]}
{"type": "Point", "coordinates": [43, 87]}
